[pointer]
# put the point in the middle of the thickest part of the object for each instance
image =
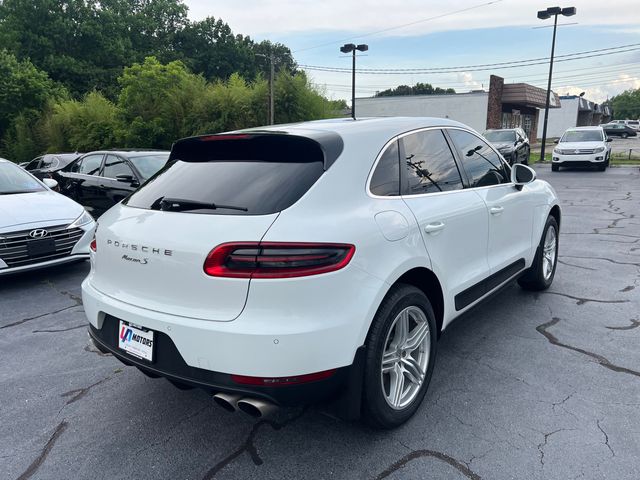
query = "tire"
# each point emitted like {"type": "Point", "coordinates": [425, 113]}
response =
{"type": "Point", "coordinates": [525, 160]}
{"type": "Point", "coordinates": [602, 168]}
{"type": "Point", "coordinates": [404, 304]}
{"type": "Point", "coordinates": [624, 135]}
{"type": "Point", "coordinates": [555, 168]}
{"type": "Point", "coordinates": [514, 159]}
{"type": "Point", "coordinates": [538, 276]}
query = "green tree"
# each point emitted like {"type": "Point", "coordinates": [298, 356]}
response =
{"type": "Point", "coordinates": [626, 105]}
{"type": "Point", "coordinates": [296, 100]}
{"type": "Point", "coordinates": [417, 89]}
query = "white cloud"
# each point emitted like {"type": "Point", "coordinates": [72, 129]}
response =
{"type": "Point", "coordinates": [606, 90]}
{"type": "Point", "coordinates": [262, 18]}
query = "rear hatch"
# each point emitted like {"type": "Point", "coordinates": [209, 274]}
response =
{"type": "Point", "coordinates": [217, 189]}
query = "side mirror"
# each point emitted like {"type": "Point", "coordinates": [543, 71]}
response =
{"type": "Point", "coordinates": [50, 182]}
{"type": "Point", "coordinates": [130, 179]}
{"type": "Point", "coordinates": [556, 141]}
{"type": "Point", "coordinates": [522, 175]}
{"type": "Point", "coordinates": [609, 139]}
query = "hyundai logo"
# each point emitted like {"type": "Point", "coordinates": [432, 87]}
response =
{"type": "Point", "coordinates": [38, 233]}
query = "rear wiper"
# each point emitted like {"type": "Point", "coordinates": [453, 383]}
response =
{"type": "Point", "coordinates": [180, 204]}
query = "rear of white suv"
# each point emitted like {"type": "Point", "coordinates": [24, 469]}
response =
{"type": "Point", "coordinates": [580, 147]}
{"type": "Point", "coordinates": [290, 264]}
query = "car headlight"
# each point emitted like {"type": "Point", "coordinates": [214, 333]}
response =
{"type": "Point", "coordinates": [598, 150]}
{"type": "Point", "coordinates": [557, 151]}
{"type": "Point", "coordinates": [83, 219]}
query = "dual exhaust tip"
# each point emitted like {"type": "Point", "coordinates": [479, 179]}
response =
{"type": "Point", "coordinates": [253, 407]}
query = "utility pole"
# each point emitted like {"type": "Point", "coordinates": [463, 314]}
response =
{"type": "Point", "coordinates": [544, 15]}
{"type": "Point", "coordinates": [271, 91]}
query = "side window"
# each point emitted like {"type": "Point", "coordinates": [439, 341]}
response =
{"type": "Point", "coordinates": [90, 165]}
{"type": "Point", "coordinates": [114, 166]}
{"type": "Point", "coordinates": [429, 163]}
{"type": "Point", "coordinates": [385, 181]}
{"type": "Point", "coordinates": [33, 164]}
{"type": "Point", "coordinates": [482, 164]}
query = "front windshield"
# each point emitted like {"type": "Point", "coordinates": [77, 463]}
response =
{"type": "Point", "coordinates": [13, 180]}
{"type": "Point", "coordinates": [148, 165]}
{"type": "Point", "coordinates": [500, 136]}
{"type": "Point", "coordinates": [581, 136]}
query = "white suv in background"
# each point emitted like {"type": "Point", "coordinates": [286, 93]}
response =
{"type": "Point", "coordinates": [580, 147]}
{"type": "Point", "coordinates": [296, 263]}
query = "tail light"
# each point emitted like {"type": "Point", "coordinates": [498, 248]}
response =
{"type": "Point", "coordinates": [276, 260]}
{"type": "Point", "coordinates": [93, 245]}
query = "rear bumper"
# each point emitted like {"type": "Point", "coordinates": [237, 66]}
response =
{"type": "Point", "coordinates": [168, 363]}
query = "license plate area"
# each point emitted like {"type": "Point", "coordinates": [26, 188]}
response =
{"type": "Point", "coordinates": [136, 341]}
{"type": "Point", "coordinates": [37, 248]}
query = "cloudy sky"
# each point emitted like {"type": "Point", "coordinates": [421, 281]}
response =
{"type": "Point", "coordinates": [455, 34]}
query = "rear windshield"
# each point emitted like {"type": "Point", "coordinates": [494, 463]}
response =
{"type": "Point", "coordinates": [244, 175]}
{"type": "Point", "coordinates": [497, 136]}
{"type": "Point", "coordinates": [582, 136]}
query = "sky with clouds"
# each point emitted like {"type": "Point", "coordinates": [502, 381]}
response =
{"type": "Point", "coordinates": [419, 34]}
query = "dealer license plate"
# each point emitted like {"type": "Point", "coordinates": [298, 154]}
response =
{"type": "Point", "coordinates": [136, 341]}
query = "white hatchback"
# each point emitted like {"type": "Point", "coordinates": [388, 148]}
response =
{"type": "Point", "coordinates": [296, 263]}
{"type": "Point", "coordinates": [582, 146]}
{"type": "Point", "coordinates": [38, 227]}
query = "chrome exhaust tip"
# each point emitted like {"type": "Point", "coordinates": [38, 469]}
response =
{"type": "Point", "coordinates": [256, 408]}
{"type": "Point", "coordinates": [227, 401]}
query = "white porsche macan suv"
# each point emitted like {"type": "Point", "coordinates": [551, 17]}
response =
{"type": "Point", "coordinates": [296, 263]}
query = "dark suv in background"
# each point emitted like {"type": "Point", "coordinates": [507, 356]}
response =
{"type": "Point", "coordinates": [512, 143]}
{"type": "Point", "coordinates": [46, 165]}
{"type": "Point", "coordinates": [99, 180]}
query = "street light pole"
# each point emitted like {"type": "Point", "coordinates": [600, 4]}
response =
{"type": "Point", "coordinates": [544, 15]}
{"type": "Point", "coordinates": [272, 115]}
{"type": "Point", "coordinates": [347, 48]}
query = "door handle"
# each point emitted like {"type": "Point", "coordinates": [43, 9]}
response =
{"type": "Point", "coordinates": [102, 187]}
{"type": "Point", "coordinates": [496, 210]}
{"type": "Point", "coordinates": [433, 227]}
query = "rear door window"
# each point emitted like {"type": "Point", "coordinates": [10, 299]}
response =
{"type": "Point", "coordinates": [234, 175]}
{"type": "Point", "coordinates": [114, 166]}
{"type": "Point", "coordinates": [89, 165]}
{"type": "Point", "coordinates": [482, 165]}
{"type": "Point", "coordinates": [429, 165]}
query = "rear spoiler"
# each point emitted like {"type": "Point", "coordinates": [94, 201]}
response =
{"type": "Point", "coordinates": [264, 146]}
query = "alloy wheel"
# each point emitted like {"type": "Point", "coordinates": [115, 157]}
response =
{"type": "Point", "coordinates": [405, 358]}
{"type": "Point", "coordinates": [549, 252]}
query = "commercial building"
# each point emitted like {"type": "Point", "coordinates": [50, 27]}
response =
{"type": "Point", "coordinates": [503, 106]}
{"type": "Point", "coordinates": [575, 111]}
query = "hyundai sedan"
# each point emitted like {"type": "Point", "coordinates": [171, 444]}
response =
{"type": "Point", "coordinates": [38, 227]}
{"type": "Point", "coordinates": [297, 263]}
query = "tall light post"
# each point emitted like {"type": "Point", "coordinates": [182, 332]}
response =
{"type": "Point", "coordinates": [271, 88]}
{"type": "Point", "coordinates": [347, 48]}
{"type": "Point", "coordinates": [545, 15]}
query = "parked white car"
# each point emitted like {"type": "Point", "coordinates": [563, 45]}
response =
{"type": "Point", "coordinates": [38, 227]}
{"type": "Point", "coordinates": [581, 147]}
{"type": "Point", "coordinates": [289, 264]}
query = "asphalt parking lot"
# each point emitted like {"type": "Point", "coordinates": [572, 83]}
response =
{"type": "Point", "coordinates": [526, 386]}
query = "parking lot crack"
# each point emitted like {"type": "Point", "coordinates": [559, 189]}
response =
{"type": "Point", "coordinates": [601, 360]}
{"type": "Point", "coordinates": [576, 266]}
{"type": "Point", "coordinates": [606, 438]}
{"type": "Point", "coordinates": [634, 324]}
{"type": "Point", "coordinates": [24, 320]}
{"type": "Point", "coordinates": [78, 393]}
{"type": "Point", "coordinates": [35, 465]}
{"type": "Point", "coordinates": [583, 300]}
{"type": "Point", "coordinates": [248, 445]}
{"type": "Point", "coordinates": [605, 259]}
{"type": "Point", "coordinates": [543, 444]}
{"type": "Point", "coordinates": [458, 465]}
{"type": "Point", "coordinates": [60, 329]}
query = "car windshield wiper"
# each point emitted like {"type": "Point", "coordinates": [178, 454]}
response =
{"type": "Point", "coordinates": [181, 204]}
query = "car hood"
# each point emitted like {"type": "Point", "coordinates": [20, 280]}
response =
{"type": "Point", "coordinates": [46, 208]}
{"type": "Point", "coordinates": [580, 145]}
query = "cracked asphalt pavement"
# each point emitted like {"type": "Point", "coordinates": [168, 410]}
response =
{"type": "Point", "coordinates": [526, 386]}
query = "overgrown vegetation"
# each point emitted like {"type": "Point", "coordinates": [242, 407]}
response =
{"type": "Point", "coordinates": [626, 106]}
{"type": "Point", "coordinates": [417, 89]}
{"type": "Point", "coordinates": [89, 74]}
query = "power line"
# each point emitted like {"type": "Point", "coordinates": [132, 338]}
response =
{"type": "Point", "coordinates": [400, 26]}
{"type": "Point", "coordinates": [481, 67]}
